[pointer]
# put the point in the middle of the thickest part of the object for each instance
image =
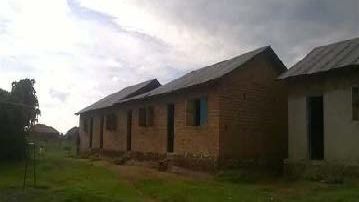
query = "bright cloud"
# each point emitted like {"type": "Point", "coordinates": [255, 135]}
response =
{"type": "Point", "coordinates": [81, 50]}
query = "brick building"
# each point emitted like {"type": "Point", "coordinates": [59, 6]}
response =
{"type": "Point", "coordinates": [217, 115]}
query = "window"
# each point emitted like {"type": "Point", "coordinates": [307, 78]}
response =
{"type": "Point", "coordinates": [111, 122]}
{"type": "Point", "coordinates": [146, 116]}
{"type": "Point", "coordinates": [142, 117]}
{"type": "Point", "coordinates": [85, 125]}
{"type": "Point", "coordinates": [355, 103]}
{"type": "Point", "coordinates": [150, 116]}
{"type": "Point", "coordinates": [197, 112]}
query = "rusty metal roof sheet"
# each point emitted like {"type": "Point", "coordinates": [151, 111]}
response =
{"type": "Point", "coordinates": [326, 58]}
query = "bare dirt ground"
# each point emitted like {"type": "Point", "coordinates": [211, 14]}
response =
{"type": "Point", "coordinates": [134, 171]}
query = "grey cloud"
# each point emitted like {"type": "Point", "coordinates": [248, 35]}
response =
{"type": "Point", "coordinates": [61, 96]}
{"type": "Point", "coordinates": [90, 14]}
{"type": "Point", "coordinates": [104, 19]}
{"type": "Point", "coordinates": [18, 63]}
{"type": "Point", "coordinates": [291, 27]}
{"type": "Point", "coordinates": [228, 28]}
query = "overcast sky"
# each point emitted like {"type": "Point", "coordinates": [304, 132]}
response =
{"type": "Point", "coordinates": [80, 51]}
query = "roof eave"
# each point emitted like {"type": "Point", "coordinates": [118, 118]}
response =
{"type": "Point", "coordinates": [319, 73]}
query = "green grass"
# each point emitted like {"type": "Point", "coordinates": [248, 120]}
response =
{"type": "Point", "coordinates": [276, 190]}
{"type": "Point", "coordinates": [63, 179]}
{"type": "Point", "coordinates": [68, 179]}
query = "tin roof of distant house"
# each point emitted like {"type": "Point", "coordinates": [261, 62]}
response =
{"type": "Point", "coordinates": [326, 58]}
{"type": "Point", "coordinates": [208, 73]}
{"type": "Point", "coordinates": [42, 128]}
{"type": "Point", "coordinates": [122, 94]}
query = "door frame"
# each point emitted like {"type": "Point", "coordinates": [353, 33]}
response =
{"type": "Point", "coordinates": [91, 133]}
{"type": "Point", "coordinates": [170, 128]}
{"type": "Point", "coordinates": [101, 130]}
{"type": "Point", "coordinates": [309, 126]}
{"type": "Point", "coordinates": [129, 131]}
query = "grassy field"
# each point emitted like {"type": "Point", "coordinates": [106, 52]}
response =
{"type": "Point", "coordinates": [69, 179]}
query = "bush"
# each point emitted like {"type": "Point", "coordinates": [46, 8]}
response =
{"type": "Point", "coordinates": [12, 135]}
{"type": "Point", "coordinates": [12, 146]}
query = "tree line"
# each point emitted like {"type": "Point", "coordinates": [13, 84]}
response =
{"type": "Point", "coordinates": [19, 110]}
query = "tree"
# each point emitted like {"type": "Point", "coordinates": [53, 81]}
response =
{"type": "Point", "coordinates": [24, 95]}
{"type": "Point", "coordinates": [18, 112]}
{"type": "Point", "coordinates": [4, 95]}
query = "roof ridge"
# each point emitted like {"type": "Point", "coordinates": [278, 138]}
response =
{"type": "Point", "coordinates": [204, 74]}
{"type": "Point", "coordinates": [338, 42]}
{"type": "Point", "coordinates": [325, 58]}
{"type": "Point", "coordinates": [216, 63]}
{"type": "Point", "coordinates": [110, 99]}
{"type": "Point", "coordinates": [331, 49]}
{"type": "Point", "coordinates": [327, 45]}
{"type": "Point", "coordinates": [344, 56]}
{"type": "Point", "coordinates": [230, 59]}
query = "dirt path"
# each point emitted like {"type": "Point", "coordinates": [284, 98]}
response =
{"type": "Point", "coordinates": [136, 171]}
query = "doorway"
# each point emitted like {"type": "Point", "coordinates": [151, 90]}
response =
{"type": "Point", "coordinates": [101, 131]}
{"type": "Point", "coordinates": [129, 129]}
{"type": "Point", "coordinates": [91, 131]}
{"type": "Point", "coordinates": [170, 127]}
{"type": "Point", "coordinates": [315, 127]}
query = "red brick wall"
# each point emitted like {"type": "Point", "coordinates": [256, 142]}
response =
{"type": "Point", "coordinates": [96, 131]}
{"type": "Point", "coordinates": [253, 113]}
{"type": "Point", "coordinates": [153, 138]}
{"type": "Point", "coordinates": [84, 137]}
{"type": "Point", "coordinates": [190, 142]}
{"type": "Point", "coordinates": [197, 140]}
{"type": "Point", "coordinates": [115, 140]}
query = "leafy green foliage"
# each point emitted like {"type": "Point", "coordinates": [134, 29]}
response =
{"type": "Point", "coordinates": [23, 93]}
{"type": "Point", "coordinates": [18, 112]}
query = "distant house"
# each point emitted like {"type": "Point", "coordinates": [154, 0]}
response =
{"type": "Point", "coordinates": [231, 112]}
{"type": "Point", "coordinates": [44, 132]}
{"type": "Point", "coordinates": [72, 134]}
{"type": "Point", "coordinates": [323, 105]}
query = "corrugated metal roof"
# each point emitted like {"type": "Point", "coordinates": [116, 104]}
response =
{"type": "Point", "coordinates": [203, 75]}
{"type": "Point", "coordinates": [326, 58]}
{"type": "Point", "coordinates": [122, 94]}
